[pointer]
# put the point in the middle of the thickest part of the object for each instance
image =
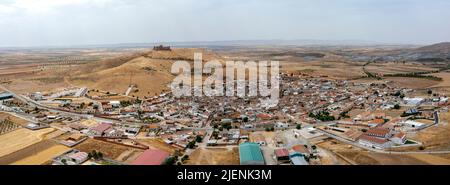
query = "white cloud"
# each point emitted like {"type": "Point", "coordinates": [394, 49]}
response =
{"type": "Point", "coordinates": [45, 6]}
{"type": "Point", "coordinates": [6, 9]}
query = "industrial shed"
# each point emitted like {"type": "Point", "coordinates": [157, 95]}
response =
{"type": "Point", "coordinates": [250, 154]}
{"type": "Point", "coordinates": [5, 95]}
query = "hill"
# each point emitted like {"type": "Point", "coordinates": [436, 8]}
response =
{"type": "Point", "coordinates": [148, 71]}
{"type": "Point", "coordinates": [443, 47]}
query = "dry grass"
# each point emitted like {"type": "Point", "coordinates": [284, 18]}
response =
{"type": "Point", "coordinates": [89, 122]}
{"type": "Point", "coordinates": [397, 67]}
{"type": "Point", "coordinates": [367, 158]}
{"type": "Point", "coordinates": [360, 156]}
{"type": "Point", "coordinates": [219, 156]}
{"type": "Point", "coordinates": [445, 79]}
{"type": "Point", "coordinates": [16, 120]}
{"type": "Point", "coordinates": [117, 79]}
{"type": "Point", "coordinates": [332, 69]}
{"type": "Point", "coordinates": [158, 144]}
{"type": "Point", "coordinates": [109, 150]}
{"type": "Point", "coordinates": [129, 156]}
{"type": "Point", "coordinates": [436, 137]}
{"type": "Point", "coordinates": [43, 156]}
{"type": "Point", "coordinates": [21, 138]}
{"type": "Point", "coordinates": [432, 159]}
{"type": "Point", "coordinates": [412, 83]}
{"type": "Point", "coordinates": [27, 152]}
{"type": "Point", "coordinates": [150, 72]}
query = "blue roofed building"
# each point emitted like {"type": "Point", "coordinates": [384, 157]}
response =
{"type": "Point", "coordinates": [298, 159]}
{"type": "Point", "coordinates": [250, 154]}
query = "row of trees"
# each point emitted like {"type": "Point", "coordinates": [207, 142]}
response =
{"type": "Point", "coordinates": [322, 116]}
{"type": "Point", "coordinates": [415, 75]}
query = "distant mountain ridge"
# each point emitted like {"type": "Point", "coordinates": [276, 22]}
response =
{"type": "Point", "coordinates": [442, 47]}
{"type": "Point", "coordinates": [439, 52]}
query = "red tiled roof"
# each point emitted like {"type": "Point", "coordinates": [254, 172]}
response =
{"type": "Point", "coordinates": [301, 149]}
{"type": "Point", "coordinates": [400, 135]}
{"type": "Point", "coordinates": [102, 127]}
{"type": "Point", "coordinates": [378, 131]}
{"type": "Point", "coordinates": [264, 116]}
{"type": "Point", "coordinates": [151, 157]}
{"type": "Point", "coordinates": [377, 121]}
{"type": "Point", "coordinates": [281, 152]}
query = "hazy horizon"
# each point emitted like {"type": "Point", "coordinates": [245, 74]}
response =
{"type": "Point", "coordinates": [31, 23]}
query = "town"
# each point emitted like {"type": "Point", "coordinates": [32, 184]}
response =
{"type": "Point", "coordinates": [369, 116]}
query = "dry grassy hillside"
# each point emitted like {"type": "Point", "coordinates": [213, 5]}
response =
{"type": "Point", "coordinates": [183, 54]}
{"type": "Point", "coordinates": [150, 72]}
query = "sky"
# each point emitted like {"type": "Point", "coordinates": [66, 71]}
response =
{"type": "Point", "coordinates": [84, 22]}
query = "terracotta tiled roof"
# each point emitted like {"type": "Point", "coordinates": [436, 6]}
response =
{"type": "Point", "coordinates": [377, 131]}
{"type": "Point", "coordinates": [281, 152]}
{"type": "Point", "coordinates": [400, 135]}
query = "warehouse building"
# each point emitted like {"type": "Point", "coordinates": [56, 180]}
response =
{"type": "Point", "coordinates": [5, 95]}
{"type": "Point", "coordinates": [250, 154]}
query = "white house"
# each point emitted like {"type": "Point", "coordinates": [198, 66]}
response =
{"type": "Point", "coordinates": [399, 138]}
{"type": "Point", "coordinates": [413, 101]}
{"type": "Point", "coordinates": [115, 104]}
{"type": "Point", "coordinates": [413, 124]}
{"type": "Point", "coordinates": [374, 142]}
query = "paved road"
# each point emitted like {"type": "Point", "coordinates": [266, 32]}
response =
{"type": "Point", "coordinates": [32, 119]}
{"type": "Point", "coordinates": [52, 109]}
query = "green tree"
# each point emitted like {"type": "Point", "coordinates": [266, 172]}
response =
{"type": "Point", "coordinates": [191, 145]}
{"type": "Point", "coordinates": [169, 161]}
{"type": "Point", "coordinates": [198, 139]}
{"type": "Point", "coordinates": [245, 120]}
{"type": "Point", "coordinates": [184, 158]}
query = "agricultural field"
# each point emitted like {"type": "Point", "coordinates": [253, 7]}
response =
{"type": "Point", "coordinates": [43, 156]}
{"type": "Point", "coordinates": [21, 138]}
{"type": "Point", "coordinates": [109, 150]}
{"type": "Point", "coordinates": [397, 67]}
{"type": "Point", "coordinates": [7, 125]}
{"type": "Point", "coordinates": [332, 69]}
{"type": "Point", "coordinates": [435, 138]}
{"type": "Point", "coordinates": [214, 156]}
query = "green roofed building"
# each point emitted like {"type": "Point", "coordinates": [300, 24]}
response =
{"type": "Point", "coordinates": [250, 154]}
